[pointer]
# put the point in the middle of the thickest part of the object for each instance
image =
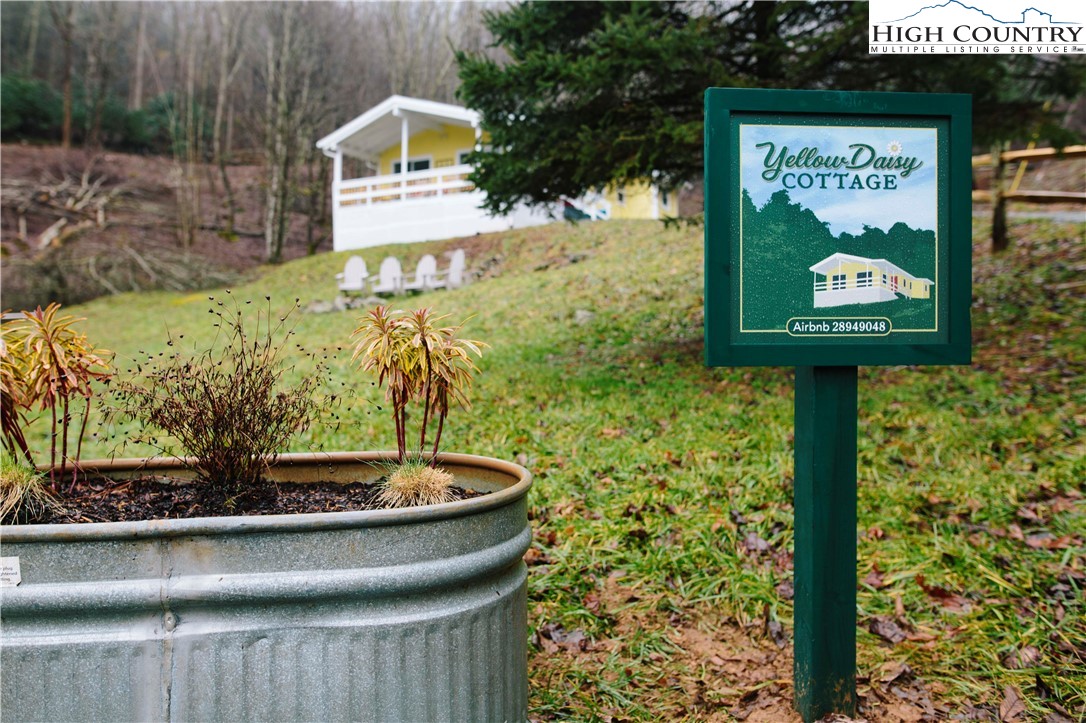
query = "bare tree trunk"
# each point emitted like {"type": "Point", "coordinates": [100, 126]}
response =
{"type": "Point", "coordinates": [279, 156]}
{"type": "Point", "coordinates": [185, 136]}
{"type": "Point", "coordinates": [32, 39]}
{"type": "Point", "coordinates": [230, 29]}
{"type": "Point", "coordinates": [66, 29]}
{"type": "Point", "coordinates": [103, 32]}
{"type": "Point", "coordinates": [135, 100]}
{"type": "Point", "coordinates": [228, 150]}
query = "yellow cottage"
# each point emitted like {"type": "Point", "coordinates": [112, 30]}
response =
{"type": "Point", "coordinates": [417, 152]}
{"type": "Point", "coordinates": [846, 279]}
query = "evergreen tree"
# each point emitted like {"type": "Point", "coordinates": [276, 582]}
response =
{"type": "Point", "coordinates": [594, 93]}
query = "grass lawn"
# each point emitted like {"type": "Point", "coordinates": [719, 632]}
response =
{"type": "Point", "coordinates": [660, 581]}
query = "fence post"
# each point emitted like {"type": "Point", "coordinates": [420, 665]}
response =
{"type": "Point", "coordinates": [999, 202]}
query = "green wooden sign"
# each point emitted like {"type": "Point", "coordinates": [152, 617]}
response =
{"type": "Point", "coordinates": [837, 228]}
{"type": "Point", "coordinates": [837, 234]}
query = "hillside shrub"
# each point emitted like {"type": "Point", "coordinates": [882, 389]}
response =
{"type": "Point", "coordinates": [29, 109]}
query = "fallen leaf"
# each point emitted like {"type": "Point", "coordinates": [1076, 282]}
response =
{"type": "Point", "coordinates": [612, 433]}
{"type": "Point", "coordinates": [1026, 657]}
{"type": "Point", "coordinates": [1047, 541]}
{"type": "Point", "coordinates": [535, 556]}
{"type": "Point", "coordinates": [1028, 513]}
{"type": "Point", "coordinates": [922, 636]}
{"type": "Point", "coordinates": [1058, 715]}
{"type": "Point", "coordinates": [1012, 705]}
{"type": "Point", "coordinates": [887, 629]}
{"type": "Point", "coordinates": [777, 633]}
{"type": "Point", "coordinates": [786, 590]}
{"type": "Point", "coordinates": [754, 543]}
{"type": "Point", "coordinates": [952, 601]}
{"type": "Point", "coordinates": [891, 671]}
{"type": "Point", "coordinates": [875, 578]}
{"type": "Point", "coordinates": [552, 636]}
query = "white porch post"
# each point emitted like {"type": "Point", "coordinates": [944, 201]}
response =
{"type": "Point", "coordinates": [403, 153]}
{"type": "Point", "coordinates": [337, 181]}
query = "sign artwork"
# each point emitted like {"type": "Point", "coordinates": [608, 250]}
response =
{"type": "Point", "coordinates": [839, 230]}
{"type": "Point", "coordinates": [831, 232]}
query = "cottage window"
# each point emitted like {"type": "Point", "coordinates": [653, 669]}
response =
{"type": "Point", "coordinates": [664, 199]}
{"type": "Point", "coordinates": [837, 281]}
{"type": "Point", "coordinates": [864, 278]}
{"type": "Point", "coordinates": [621, 195]}
{"type": "Point", "coordinates": [462, 157]}
{"type": "Point", "coordinates": [419, 164]}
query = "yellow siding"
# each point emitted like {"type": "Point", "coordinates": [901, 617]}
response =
{"type": "Point", "coordinates": [912, 288]}
{"type": "Point", "coordinates": [850, 269]}
{"type": "Point", "coordinates": [440, 146]}
{"type": "Point", "coordinates": [638, 202]}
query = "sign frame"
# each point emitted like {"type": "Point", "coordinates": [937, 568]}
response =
{"type": "Point", "coordinates": [723, 345]}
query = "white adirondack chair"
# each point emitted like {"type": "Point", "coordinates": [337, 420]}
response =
{"type": "Point", "coordinates": [389, 277]}
{"type": "Point", "coordinates": [425, 275]}
{"type": "Point", "coordinates": [353, 278]}
{"type": "Point", "coordinates": [454, 277]}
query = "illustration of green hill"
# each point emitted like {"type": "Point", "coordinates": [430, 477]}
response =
{"type": "Point", "coordinates": [782, 240]}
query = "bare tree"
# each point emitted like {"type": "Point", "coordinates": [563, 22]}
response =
{"type": "Point", "coordinates": [63, 15]}
{"type": "Point", "coordinates": [231, 18]}
{"type": "Point", "coordinates": [135, 98]}
{"type": "Point", "coordinates": [102, 34]}
{"type": "Point", "coordinates": [420, 61]}
{"type": "Point", "coordinates": [32, 39]}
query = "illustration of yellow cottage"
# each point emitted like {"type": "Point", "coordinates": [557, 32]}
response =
{"type": "Point", "coordinates": [419, 191]}
{"type": "Point", "coordinates": [845, 279]}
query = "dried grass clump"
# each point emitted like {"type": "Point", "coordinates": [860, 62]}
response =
{"type": "Point", "coordinates": [416, 483]}
{"type": "Point", "coordinates": [24, 494]}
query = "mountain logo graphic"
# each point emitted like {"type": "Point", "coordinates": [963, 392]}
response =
{"type": "Point", "coordinates": [1027, 16]}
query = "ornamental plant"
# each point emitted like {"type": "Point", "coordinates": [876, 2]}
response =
{"type": "Point", "coordinates": [46, 363]}
{"type": "Point", "coordinates": [419, 362]}
{"type": "Point", "coordinates": [227, 411]}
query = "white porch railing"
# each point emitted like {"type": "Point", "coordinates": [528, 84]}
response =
{"type": "Point", "coordinates": [839, 285]}
{"type": "Point", "coordinates": [398, 187]}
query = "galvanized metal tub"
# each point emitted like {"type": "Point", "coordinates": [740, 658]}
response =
{"type": "Point", "coordinates": [389, 615]}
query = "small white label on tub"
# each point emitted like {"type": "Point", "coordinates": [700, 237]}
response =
{"type": "Point", "coordinates": [9, 572]}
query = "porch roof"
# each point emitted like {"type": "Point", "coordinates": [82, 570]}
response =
{"type": "Point", "coordinates": [379, 128]}
{"type": "Point", "coordinates": [830, 263]}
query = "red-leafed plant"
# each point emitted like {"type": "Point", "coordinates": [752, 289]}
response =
{"type": "Point", "coordinates": [48, 364]}
{"type": "Point", "coordinates": [417, 361]}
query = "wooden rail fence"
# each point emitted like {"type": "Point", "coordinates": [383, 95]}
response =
{"type": "Point", "coordinates": [1000, 194]}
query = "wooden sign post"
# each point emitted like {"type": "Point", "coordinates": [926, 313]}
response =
{"type": "Point", "coordinates": [837, 234]}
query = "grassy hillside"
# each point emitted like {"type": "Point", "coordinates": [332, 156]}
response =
{"type": "Point", "coordinates": [661, 572]}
